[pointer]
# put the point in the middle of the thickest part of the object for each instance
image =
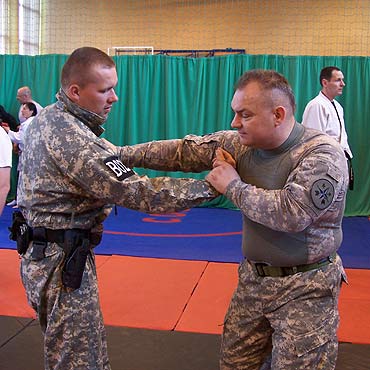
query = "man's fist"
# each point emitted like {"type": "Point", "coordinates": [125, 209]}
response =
{"type": "Point", "coordinates": [223, 155]}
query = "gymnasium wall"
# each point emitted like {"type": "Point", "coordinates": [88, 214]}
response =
{"type": "Point", "coordinates": [285, 27]}
{"type": "Point", "coordinates": [166, 97]}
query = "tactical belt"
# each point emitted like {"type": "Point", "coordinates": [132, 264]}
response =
{"type": "Point", "coordinates": [76, 244]}
{"type": "Point", "coordinates": [262, 269]}
{"type": "Point", "coordinates": [41, 236]}
{"type": "Point", "coordinates": [54, 236]}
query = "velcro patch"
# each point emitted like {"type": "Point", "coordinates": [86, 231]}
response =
{"type": "Point", "coordinates": [118, 168]}
{"type": "Point", "coordinates": [322, 193]}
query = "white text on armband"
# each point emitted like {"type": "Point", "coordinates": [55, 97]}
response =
{"type": "Point", "coordinates": [119, 169]}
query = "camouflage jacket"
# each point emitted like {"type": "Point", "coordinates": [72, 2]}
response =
{"type": "Point", "coordinates": [292, 198]}
{"type": "Point", "coordinates": [70, 177]}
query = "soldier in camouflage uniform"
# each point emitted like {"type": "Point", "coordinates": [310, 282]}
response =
{"type": "Point", "coordinates": [70, 179]}
{"type": "Point", "coordinates": [290, 184]}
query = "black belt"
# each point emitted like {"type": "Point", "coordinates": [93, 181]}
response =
{"type": "Point", "coordinates": [263, 269]}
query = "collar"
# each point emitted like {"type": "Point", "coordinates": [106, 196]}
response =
{"type": "Point", "coordinates": [292, 139]}
{"type": "Point", "coordinates": [322, 93]}
{"type": "Point", "coordinates": [92, 120]}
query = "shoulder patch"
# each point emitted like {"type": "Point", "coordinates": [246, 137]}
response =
{"type": "Point", "coordinates": [121, 171]}
{"type": "Point", "coordinates": [322, 193]}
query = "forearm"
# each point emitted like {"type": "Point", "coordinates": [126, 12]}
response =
{"type": "Point", "coordinates": [190, 154]}
{"type": "Point", "coordinates": [166, 195]}
{"type": "Point", "coordinates": [275, 209]}
{"type": "Point", "coordinates": [15, 137]}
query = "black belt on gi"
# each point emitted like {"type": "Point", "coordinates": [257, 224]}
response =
{"type": "Point", "coordinates": [263, 269]}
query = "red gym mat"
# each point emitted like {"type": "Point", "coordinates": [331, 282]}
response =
{"type": "Point", "coordinates": [354, 308]}
{"type": "Point", "coordinates": [13, 300]}
{"type": "Point", "coordinates": [146, 292]}
{"type": "Point", "coordinates": [183, 295]}
{"type": "Point", "coordinates": [209, 303]}
{"type": "Point", "coordinates": [206, 310]}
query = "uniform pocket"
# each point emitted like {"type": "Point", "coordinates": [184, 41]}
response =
{"type": "Point", "coordinates": [40, 276]}
{"type": "Point", "coordinates": [309, 341]}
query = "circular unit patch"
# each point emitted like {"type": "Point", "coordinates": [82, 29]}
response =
{"type": "Point", "coordinates": [322, 193]}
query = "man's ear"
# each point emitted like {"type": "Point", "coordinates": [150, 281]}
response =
{"type": "Point", "coordinates": [73, 92]}
{"type": "Point", "coordinates": [324, 82]}
{"type": "Point", "coordinates": [280, 114]}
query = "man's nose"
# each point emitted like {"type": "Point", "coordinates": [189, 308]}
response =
{"type": "Point", "coordinates": [235, 123]}
{"type": "Point", "coordinates": [113, 98]}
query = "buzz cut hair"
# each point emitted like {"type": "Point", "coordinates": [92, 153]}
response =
{"type": "Point", "coordinates": [78, 66]}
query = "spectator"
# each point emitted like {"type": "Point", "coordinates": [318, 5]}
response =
{"type": "Point", "coordinates": [24, 95]}
{"type": "Point", "coordinates": [325, 114]}
{"type": "Point", "coordinates": [29, 111]}
{"type": "Point", "coordinates": [5, 167]}
{"type": "Point", "coordinates": [6, 117]}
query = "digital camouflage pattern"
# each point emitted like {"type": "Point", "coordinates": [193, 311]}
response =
{"type": "Point", "coordinates": [72, 323]}
{"type": "Point", "coordinates": [296, 314]}
{"type": "Point", "coordinates": [292, 199]}
{"type": "Point", "coordinates": [69, 179]}
{"type": "Point", "coordinates": [274, 190]}
{"type": "Point", "coordinates": [66, 184]}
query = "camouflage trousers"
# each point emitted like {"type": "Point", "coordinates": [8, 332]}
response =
{"type": "Point", "coordinates": [72, 323]}
{"type": "Point", "coordinates": [283, 323]}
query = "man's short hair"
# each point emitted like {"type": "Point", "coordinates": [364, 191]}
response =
{"type": "Point", "coordinates": [78, 66]}
{"type": "Point", "coordinates": [326, 73]}
{"type": "Point", "coordinates": [269, 80]}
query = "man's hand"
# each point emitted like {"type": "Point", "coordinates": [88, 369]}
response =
{"type": "Point", "coordinates": [223, 155]}
{"type": "Point", "coordinates": [221, 175]}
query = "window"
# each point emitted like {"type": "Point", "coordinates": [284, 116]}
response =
{"type": "Point", "coordinates": [4, 38]}
{"type": "Point", "coordinates": [29, 26]}
{"type": "Point", "coordinates": [20, 26]}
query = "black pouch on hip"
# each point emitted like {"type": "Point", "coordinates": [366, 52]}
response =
{"type": "Point", "coordinates": [77, 249]}
{"type": "Point", "coordinates": [20, 232]}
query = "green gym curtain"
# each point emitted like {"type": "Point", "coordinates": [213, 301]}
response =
{"type": "Point", "coordinates": [162, 97]}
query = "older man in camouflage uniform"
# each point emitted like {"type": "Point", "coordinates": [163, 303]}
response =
{"type": "Point", "coordinates": [70, 178]}
{"type": "Point", "coordinates": [290, 184]}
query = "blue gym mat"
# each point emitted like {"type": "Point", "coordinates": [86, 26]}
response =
{"type": "Point", "coordinates": [205, 234]}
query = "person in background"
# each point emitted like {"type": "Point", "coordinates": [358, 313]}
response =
{"type": "Point", "coordinates": [69, 180]}
{"type": "Point", "coordinates": [7, 118]}
{"type": "Point", "coordinates": [5, 167]}
{"type": "Point", "coordinates": [289, 183]}
{"type": "Point", "coordinates": [325, 114]}
{"type": "Point", "coordinates": [29, 111]}
{"type": "Point", "coordinates": [24, 95]}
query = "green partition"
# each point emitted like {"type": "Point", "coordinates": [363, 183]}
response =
{"type": "Point", "coordinates": [162, 97]}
